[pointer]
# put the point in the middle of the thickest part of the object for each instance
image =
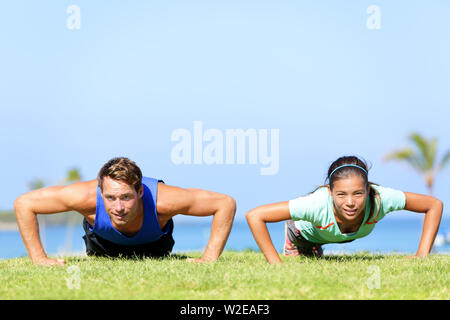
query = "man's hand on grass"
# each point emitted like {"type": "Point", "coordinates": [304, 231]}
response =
{"type": "Point", "coordinates": [415, 256]}
{"type": "Point", "coordinates": [198, 260]}
{"type": "Point", "coordinates": [50, 262]}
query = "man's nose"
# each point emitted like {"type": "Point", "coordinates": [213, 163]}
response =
{"type": "Point", "coordinates": [118, 205]}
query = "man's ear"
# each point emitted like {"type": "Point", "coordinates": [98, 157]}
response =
{"type": "Point", "coordinates": [141, 191]}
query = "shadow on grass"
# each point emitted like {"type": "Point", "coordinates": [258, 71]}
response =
{"type": "Point", "coordinates": [343, 257]}
{"type": "Point", "coordinates": [173, 256]}
{"type": "Point", "coordinates": [357, 257]}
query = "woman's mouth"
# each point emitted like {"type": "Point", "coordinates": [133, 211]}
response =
{"type": "Point", "coordinates": [350, 212]}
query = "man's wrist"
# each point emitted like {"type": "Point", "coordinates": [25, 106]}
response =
{"type": "Point", "coordinates": [209, 257]}
{"type": "Point", "coordinates": [40, 258]}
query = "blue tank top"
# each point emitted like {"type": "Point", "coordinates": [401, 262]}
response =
{"type": "Point", "coordinates": [150, 230]}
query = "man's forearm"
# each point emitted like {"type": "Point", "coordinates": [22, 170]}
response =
{"type": "Point", "coordinates": [29, 230]}
{"type": "Point", "coordinates": [220, 230]}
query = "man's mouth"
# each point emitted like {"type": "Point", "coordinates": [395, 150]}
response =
{"type": "Point", "coordinates": [120, 216]}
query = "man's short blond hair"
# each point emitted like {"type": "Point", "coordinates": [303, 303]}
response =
{"type": "Point", "coordinates": [122, 169]}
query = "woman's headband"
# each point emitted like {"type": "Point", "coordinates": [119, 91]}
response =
{"type": "Point", "coordinates": [347, 165]}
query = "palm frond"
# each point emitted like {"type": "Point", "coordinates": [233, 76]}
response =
{"type": "Point", "coordinates": [444, 161]}
{"type": "Point", "coordinates": [407, 155]}
{"type": "Point", "coordinates": [431, 156]}
{"type": "Point", "coordinates": [427, 150]}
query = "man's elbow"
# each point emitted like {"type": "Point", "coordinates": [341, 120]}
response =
{"type": "Point", "coordinates": [20, 203]}
{"type": "Point", "coordinates": [230, 204]}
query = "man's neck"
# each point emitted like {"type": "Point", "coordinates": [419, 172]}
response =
{"type": "Point", "coordinates": [131, 228]}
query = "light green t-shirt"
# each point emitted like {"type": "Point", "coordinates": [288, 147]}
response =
{"type": "Point", "coordinates": [313, 215]}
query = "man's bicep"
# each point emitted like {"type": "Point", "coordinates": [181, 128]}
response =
{"type": "Point", "coordinates": [58, 198]}
{"type": "Point", "coordinates": [189, 201]}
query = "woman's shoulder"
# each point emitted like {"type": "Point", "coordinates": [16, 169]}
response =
{"type": "Point", "coordinates": [310, 206]}
{"type": "Point", "coordinates": [384, 190]}
{"type": "Point", "coordinates": [391, 198]}
{"type": "Point", "coordinates": [321, 190]}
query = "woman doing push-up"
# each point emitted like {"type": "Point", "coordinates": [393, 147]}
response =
{"type": "Point", "coordinates": [345, 209]}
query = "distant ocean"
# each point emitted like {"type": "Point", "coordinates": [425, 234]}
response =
{"type": "Point", "coordinates": [391, 235]}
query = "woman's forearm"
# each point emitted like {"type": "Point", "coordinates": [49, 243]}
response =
{"type": "Point", "coordinates": [262, 237]}
{"type": "Point", "coordinates": [430, 229]}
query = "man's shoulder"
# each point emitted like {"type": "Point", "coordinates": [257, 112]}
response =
{"type": "Point", "coordinates": [82, 196]}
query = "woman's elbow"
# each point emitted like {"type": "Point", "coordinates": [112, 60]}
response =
{"type": "Point", "coordinates": [251, 215]}
{"type": "Point", "coordinates": [439, 205]}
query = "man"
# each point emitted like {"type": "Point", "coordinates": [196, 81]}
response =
{"type": "Point", "coordinates": [124, 214]}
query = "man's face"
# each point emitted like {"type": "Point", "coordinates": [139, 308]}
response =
{"type": "Point", "coordinates": [121, 201]}
{"type": "Point", "coordinates": [349, 197]}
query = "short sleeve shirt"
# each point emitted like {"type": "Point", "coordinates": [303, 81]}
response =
{"type": "Point", "coordinates": [313, 215]}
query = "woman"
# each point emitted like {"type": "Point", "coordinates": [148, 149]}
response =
{"type": "Point", "coordinates": [345, 209]}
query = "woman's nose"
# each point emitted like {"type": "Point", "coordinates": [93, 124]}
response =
{"type": "Point", "coordinates": [350, 201]}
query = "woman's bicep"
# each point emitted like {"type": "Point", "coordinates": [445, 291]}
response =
{"type": "Point", "coordinates": [419, 202]}
{"type": "Point", "coordinates": [273, 212]}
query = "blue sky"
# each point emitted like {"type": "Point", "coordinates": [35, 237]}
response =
{"type": "Point", "coordinates": [136, 71]}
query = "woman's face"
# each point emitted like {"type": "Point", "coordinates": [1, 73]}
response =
{"type": "Point", "coordinates": [349, 197]}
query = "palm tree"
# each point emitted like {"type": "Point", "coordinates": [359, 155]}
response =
{"type": "Point", "coordinates": [36, 184]}
{"type": "Point", "coordinates": [423, 158]}
{"type": "Point", "coordinates": [73, 175]}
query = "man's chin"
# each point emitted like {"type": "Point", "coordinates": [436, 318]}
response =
{"type": "Point", "coordinates": [119, 220]}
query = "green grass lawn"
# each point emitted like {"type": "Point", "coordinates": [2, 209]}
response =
{"type": "Point", "coordinates": [236, 275]}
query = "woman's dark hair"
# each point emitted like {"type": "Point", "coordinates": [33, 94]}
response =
{"type": "Point", "coordinates": [346, 166]}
